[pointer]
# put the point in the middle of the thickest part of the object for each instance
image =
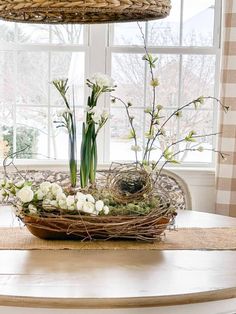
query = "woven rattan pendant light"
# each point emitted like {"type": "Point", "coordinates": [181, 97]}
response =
{"type": "Point", "coordinates": [82, 11]}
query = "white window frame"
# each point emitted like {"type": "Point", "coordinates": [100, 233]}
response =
{"type": "Point", "coordinates": [98, 51]}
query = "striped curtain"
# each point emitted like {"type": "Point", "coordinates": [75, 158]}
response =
{"type": "Point", "coordinates": [226, 169]}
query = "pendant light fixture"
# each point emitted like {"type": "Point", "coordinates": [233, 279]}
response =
{"type": "Point", "coordinates": [82, 11]}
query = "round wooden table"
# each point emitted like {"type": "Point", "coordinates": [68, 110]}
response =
{"type": "Point", "coordinates": [127, 282]}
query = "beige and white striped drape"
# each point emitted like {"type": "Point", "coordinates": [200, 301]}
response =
{"type": "Point", "coordinates": [226, 172]}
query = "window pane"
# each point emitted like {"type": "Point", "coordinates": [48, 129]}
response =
{"type": "Point", "coordinates": [31, 132]}
{"type": "Point", "coordinates": [167, 73]}
{"type": "Point", "coordinates": [6, 130]}
{"type": "Point", "coordinates": [198, 23]}
{"type": "Point", "coordinates": [127, 34]}
{"type": "Point", "coordinates": [128, 73]}
{"type": "Point", "coordinates": [120, 148]}
{"type": "Point", "coordinates": [69, 65]}
{"type": "Point", "coordinates": [59, 136]}
{"type": "Point", "coordinates": [32, 78]}
{"type": "Point", "coordinates": [198, 77]}
{"type": "Point", "coordinates": [67, 34]}
{"type": "Point", "coordinates": [165, 32]}
{"type": "Point", "coordinates": [201, 122]}
{"type": "Point", "coordinates": [33, 33]}
{"type": "Point", "coordinates": [7, 31]}
{"type": "Point", "coordinates": [7, 81]}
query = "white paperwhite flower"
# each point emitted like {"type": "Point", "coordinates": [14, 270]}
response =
{"type": "Point", "coordinates": [106, 210]}
{"type": "Point", "coordinates": [70, 201]}
{"type": "Point", "coordinates": [102, 80]}
{"type": "Point", "coordinates": [25, 194]}
{"type": "Point", "coordinates": [40, 194]}
{"type": "Point", "coordinates": [45, 186]}
{"type": "Point", "coordinates": [89, 198]}
{"type": "Point", "coordinates": [136, 148]}
{"type": "Point", "coordinates": [32, 209]}
{"type": "Point", "coordinates": [99, 206]}
{"type": "Point", "coordinates": [55, 188]}
{"type": "Point", "coordinates": [99, 114]}
{"type": "Point", "coordinates": [61, 112]}
{"type": "Point", "coordinates": [80, 196]}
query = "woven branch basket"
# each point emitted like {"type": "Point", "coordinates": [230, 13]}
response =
{"type": "Point", "coordinates": [82, 11]}
{"type": "Point", "coordinates": [143, 228]}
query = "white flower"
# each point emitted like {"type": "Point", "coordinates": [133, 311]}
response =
{"type": "Point", "coordinates": [136, 148]}
{"type": "Point", "coordinates": [89, 198]}
{"type": "Point", "coordinates": [70, 201]}
{"type": "Point", "coordinates": [106, 210]}
{"type": "Point", "coordinates": [96, 114]}
{"type": "Point", "coordinates": [55, 188]}
{"type": "Point", "coordinates": [54, 203]}
{"type": "Point", "coordinates": [60, 195]}
{"type": "Point", "coordinates": [80, 204]}
{"type": "Point", "coordinates": [20, 184]}
{"type": "Point", "coordinates": [60, 113]}
{"type": "Point", "coordinates": [32, 209]}
{"type": "Point", "coordinates": [2, 195]}
{"type": "Point", "coordinates": [62, 204]}
{"type": "Point", "coordinates": [45, 186]}
{"type": "Point", "coordinates": [88, 207]}
{"type": "Point", "coordinates": [80, 196]}
{"type": "Point", "coordinates": [2, 183]}
{"type": "Point", "coordinates": [99, 205]}
{"type": "Point", "coordinates": [50, 196]}
{"type": "Point", "coordinates": [40, 194]}
{"type": "Point", "coordinates": [102, 80]}
{"type": "Point", "coordinates": [25, 194]}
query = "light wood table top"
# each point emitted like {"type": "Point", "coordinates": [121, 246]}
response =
{"type": "Point", "coordinates": [120, 279]}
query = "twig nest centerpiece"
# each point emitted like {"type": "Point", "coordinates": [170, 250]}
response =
{"type": "Point", "coordinates": [129, 182]}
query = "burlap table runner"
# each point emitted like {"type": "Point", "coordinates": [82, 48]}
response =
{"type": "Point", "coordinates": [180, 239]}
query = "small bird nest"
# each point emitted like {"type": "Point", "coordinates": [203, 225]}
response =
{"type": "Point", "coordinates": [129, 182]}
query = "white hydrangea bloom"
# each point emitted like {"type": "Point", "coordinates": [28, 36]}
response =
{"type": "Point", "coordinates": [25, 194]}
{"type": "Point", "coordinates": [89, 198]}
{"type": "Point", "coordinates": [55, 188]}
{"type": "Point", "coordinates": [88, 207]}
{"type": "Point", "coordinates": [80, 196]}
{"type": "Point", "coordinates": [45, 186]}
{"type": "Point", "coordinates": [32, 209]}
{"type": "Point", "coordinates": [60, 195]}
{"type": "Point", "coordinates": [20, 184]}
{"type": "Point", "coordinates": [40, 195]}
{"type": "Point", "coordinates": [99, 206]}
{"type": "Point", "coordinates": [106, 210]}
{"type": "Point", "coordinates": [70, 201]}
{"type": "Point", "coordinates": [54, 203]}
{"type": "Point", "coordinates": [80, 205]}
{"type": "Point", "coordinates": [62, 204]}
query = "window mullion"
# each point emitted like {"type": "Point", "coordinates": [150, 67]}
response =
{"type": "Point", "coordinates": [97, 63]}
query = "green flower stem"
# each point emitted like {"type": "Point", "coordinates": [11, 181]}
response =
{"type": "Point", "coordinates": [72, 160]}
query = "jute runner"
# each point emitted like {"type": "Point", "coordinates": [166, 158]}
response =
{"type": "Point", "coordinates": [180, 239]}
